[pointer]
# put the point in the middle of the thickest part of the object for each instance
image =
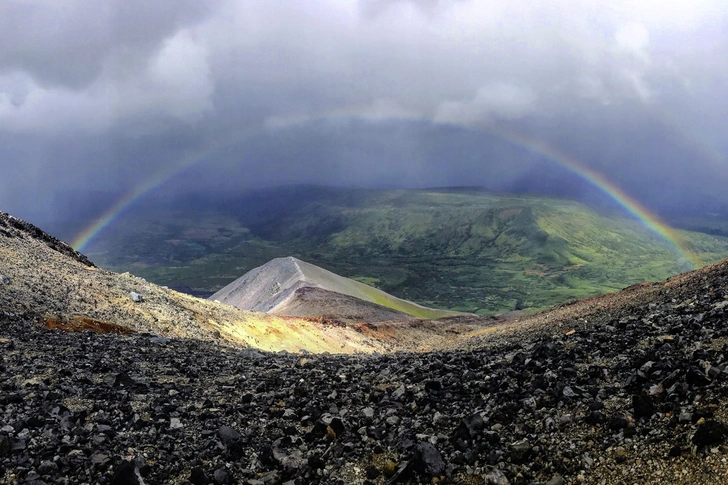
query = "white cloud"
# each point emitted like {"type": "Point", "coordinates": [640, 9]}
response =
{"type": "Point", "coordinates": [494, 101]}
{"type": "Point", "coordinates": [634, 39]}
{"type": "Point", "coordinates": [27, 107]}
{"type": "Point", "coordinates": [633, 60]}
{"type": "Point", "coordinates": [176, 83]}
{"type": "Point", "coordinates": [383, 109]}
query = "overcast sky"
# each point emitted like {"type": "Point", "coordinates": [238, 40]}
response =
{"type": "Point", "coordinates": [105, 95]}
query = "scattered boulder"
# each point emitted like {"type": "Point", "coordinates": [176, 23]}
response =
{"type": "Point", "coordinates": [228, 435]}
{"type": "Point", "coordinates": [697, 377]}
{"type": "Point", "coordinates": [709, 433]}
{"type": "Point", "coordinates": [221, 477]}
{"type": "Point", "coordinates": [556, 480]}
{"type": "Point", "coordinates": [4, 445]}
{"type": "Point", "coordinates": [401, 473]}
{"type": "Point", "coordinates": [496, 477]}
{"type": "Point", "coordinates": [520, 450]}
{"type": "Point", "coordinates": [620, 454]}
{"type": "Point", "coordinates": [127, 473]}
{"type": "Point", "coordinates": [199, 477]}
{"type": "Point", "coordinates": [470, 426]}
{"type": "Point", "coordinates": [389, 468]}
{"type": "Point", "coordinates": [251, 353]}
{"type": "Point", "coordinates": [372, 472]}
{"type": "Point", "coordinates": [136, 297]}
{"type": "Point", "coordinates": [642, 406]}
{"type": "Point", "coordinates": [47, 467]}
{"type": "Point", "coordinates": [427, 460]}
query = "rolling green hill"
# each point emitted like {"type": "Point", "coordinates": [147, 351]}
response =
{"type": "Point", "coordinates": [460, 250]}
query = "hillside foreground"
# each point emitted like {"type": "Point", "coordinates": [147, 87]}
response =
{"type": "Point", "coordinates": [626, 388]}
{"type": "Point", "coordinates": [50, 283]}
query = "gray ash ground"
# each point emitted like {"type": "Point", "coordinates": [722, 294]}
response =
{"type": "Point", "coordinates": [636, 399]}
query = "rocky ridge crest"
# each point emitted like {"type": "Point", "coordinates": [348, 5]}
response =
{"type": "Point", "coordinates": [11, 226]}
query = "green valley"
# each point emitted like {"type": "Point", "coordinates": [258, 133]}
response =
{"type": "Point", "coordinates": [461, 250]}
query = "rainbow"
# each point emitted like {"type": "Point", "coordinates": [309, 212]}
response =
{"type": "Point", "coordinates": [645, 216]}
{"type": "Point", "coordinates": [650, 220]}
{"type": "Point", "coordinates": [83, 238]}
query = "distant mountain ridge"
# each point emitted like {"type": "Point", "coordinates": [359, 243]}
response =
{"type": "Point", "coordinates": [272, 287]}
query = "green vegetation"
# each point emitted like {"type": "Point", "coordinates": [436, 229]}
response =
{"type": "Point", "coordinates": [459, 250]}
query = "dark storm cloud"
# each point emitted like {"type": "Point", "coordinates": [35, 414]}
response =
{"type": "Point", "coordinates": [364, 92]}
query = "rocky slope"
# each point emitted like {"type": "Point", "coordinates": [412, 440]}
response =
{"type": "Point", "coordinates": [637, 395]}
{"type": "Point", "coordinates": [12, 227]}
{"type": "Point", "coordinates": [310, 301]}
{"type": "Point", "coordinates": [48, 280]}
{"type": "Point", "coordinates": [624, 389]}
{"type": "Point", "coordinates": [273, 288]}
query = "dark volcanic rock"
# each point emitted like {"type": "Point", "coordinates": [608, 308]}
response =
{"type": "Point", "coordinates": [4, 445]}
{"type": "Point", "coordinates": [520, 450]}
{"type": "Point", "coordinates": [642, 406]}
{"type": "Point", "coordinates": [496, 477]}
{"type": "Point", "coordinates": [427, 460]}
{"type": "Point", "coordinates": [618, 423]}
{"type": "Point", "coordinates": [709, 433]}
{"type": "Point", "coordinates": [471, 426]}
{"type": "Point", "coordinates": [696, 377]}
{"type": "Point", "coordinates": [126, 474]}
{"type": "Point", "coordinates": [221, 477]}
{"type": "Point", "coordinates": [228, 435]}
{"type": "Point", "coordinates": [198, 477]}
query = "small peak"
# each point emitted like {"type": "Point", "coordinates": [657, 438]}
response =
{"type": "Point", "coordinates": [287, 259]}
{"type": "Point", "coordinates": [286, 263]}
